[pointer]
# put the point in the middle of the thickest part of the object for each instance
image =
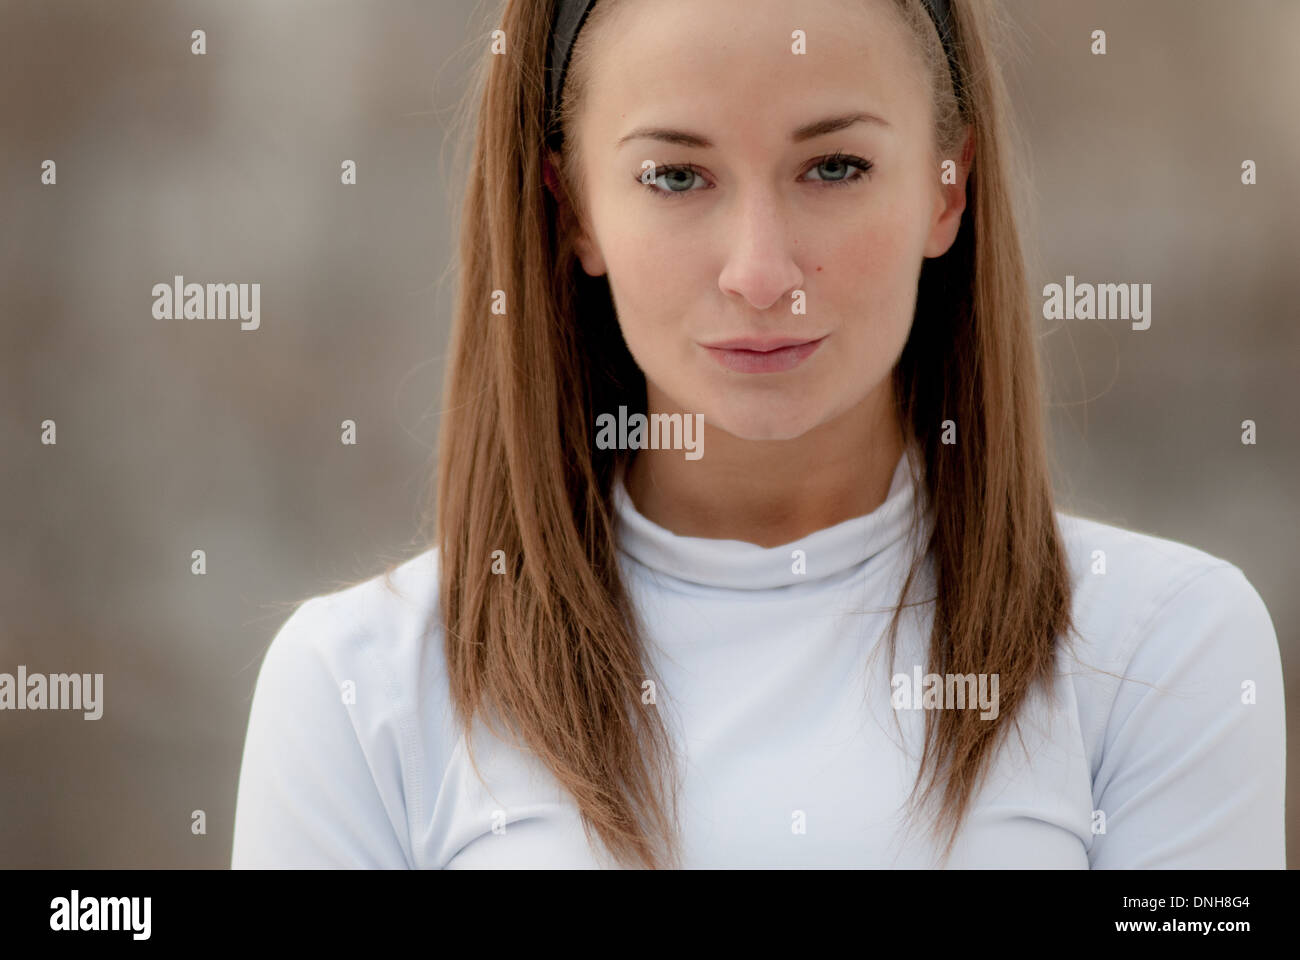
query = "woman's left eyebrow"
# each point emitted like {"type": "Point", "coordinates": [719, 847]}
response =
{"type": "Point", "coordinates": [831, 124]}
{"type": "Point", "coordinates": [808, 131]}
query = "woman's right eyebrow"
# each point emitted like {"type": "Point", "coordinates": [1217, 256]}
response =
{"type": "Point", "coordinates": [817, 128]}
{"type": "Point", "coordinates": [680, 137]}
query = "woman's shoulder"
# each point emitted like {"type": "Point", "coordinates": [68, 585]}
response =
{"type": "Point", "coordinates": [1102, 548]}
{"type": "Point", "coordinates": [1130, 586]}
{"type": "Point", "coordinates": [349, 729]}
{"type": "Point", "coordinates": [389, 617]}
{"type": "Point", "coordinates": [379, 639]}
{"type": "Point", "coordinates": [382, 635]}
{"type": "Point", "coordinates": [1177, 679]}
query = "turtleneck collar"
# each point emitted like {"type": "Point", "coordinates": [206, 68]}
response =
{"type": "Point", "coordinates": [739, 565]}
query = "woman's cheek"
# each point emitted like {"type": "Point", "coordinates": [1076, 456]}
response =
{"type": "Point", "coordinates": [887, 267]}
{"type": "Point", "coordinates": [646, 322]}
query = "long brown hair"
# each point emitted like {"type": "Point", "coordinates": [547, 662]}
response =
{"type": "Point", "coordinates": [548, 653]}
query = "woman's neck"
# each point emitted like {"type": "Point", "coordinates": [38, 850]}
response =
{"type": "Point", "coordinates": [772, 492]}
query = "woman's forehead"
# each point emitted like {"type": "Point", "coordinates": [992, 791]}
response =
{"type": "Point", "coordinates": [726, 61]}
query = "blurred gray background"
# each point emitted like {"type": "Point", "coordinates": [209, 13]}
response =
{"type": "Point", "coordinates": [176, 435]}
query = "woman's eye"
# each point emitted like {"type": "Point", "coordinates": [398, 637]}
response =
{"type": "Point", "coordinates": [837, 169]}
{"type": "Point", "coordinates": [678, 179]}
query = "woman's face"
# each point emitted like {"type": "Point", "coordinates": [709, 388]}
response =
{"type": "Point", "coordinates": [754, 231]}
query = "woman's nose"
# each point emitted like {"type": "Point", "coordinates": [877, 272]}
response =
{"type": "Point", "coordinates": [761, 247]}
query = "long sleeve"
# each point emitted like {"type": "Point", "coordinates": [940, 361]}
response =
{"type": "Point", "coordinates": [1193, 768]}
{"type": "Point", "coordinates": [320, 782]}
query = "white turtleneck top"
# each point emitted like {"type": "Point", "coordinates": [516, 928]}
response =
{"type": "Point", "coordinates": [793, 734]}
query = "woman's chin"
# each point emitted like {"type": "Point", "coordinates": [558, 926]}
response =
{"type": "Point", "coordinates": [784, 424]}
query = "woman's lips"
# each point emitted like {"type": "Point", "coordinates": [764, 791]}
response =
{"type": "Point", "coordinates": [758, 356]}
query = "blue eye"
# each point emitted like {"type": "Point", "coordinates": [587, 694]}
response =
{"type": "Point", "coordinates": [669, 173]}
{"type": "Point", "coordinates": [844, 162]}
{"type": "Point", "coordinates": [833, 171]}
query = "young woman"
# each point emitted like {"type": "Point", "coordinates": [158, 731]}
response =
{"type": "Point", "coordinates": [746, 552]}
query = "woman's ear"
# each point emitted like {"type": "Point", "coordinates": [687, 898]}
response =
{"type": "Point", "coordinates": [549, 176]}
{"type": "Point", "coordinates": [571, 224]}
{"type": "Point", "coordinates": [950, 201]}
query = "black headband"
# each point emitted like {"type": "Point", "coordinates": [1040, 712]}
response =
{"type": "Point", "coordinates": [571, 14]}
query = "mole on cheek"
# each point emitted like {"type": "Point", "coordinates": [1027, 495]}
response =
{"type": "Point", "coordinates": [819, 269]}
